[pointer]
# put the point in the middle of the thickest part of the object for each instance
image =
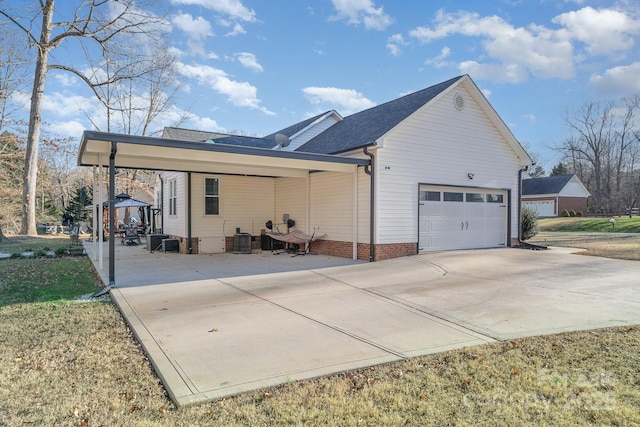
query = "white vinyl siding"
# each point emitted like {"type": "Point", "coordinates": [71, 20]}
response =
{"type": "Point", "coordinates": [245, 202]}
{"type": "Point", "coordinates": [291, 199]}
{"type": "Point", "coordinates": [439, 145]}
{"type": "Point", "coordinates": [332, 205]}
{"type": "Point", "coordinates": [573, 189]}
{"type": "Point", "coordinates": [173, 220]}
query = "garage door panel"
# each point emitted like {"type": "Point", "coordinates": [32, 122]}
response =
{"type": "Point", "coordinates": [461, 218]}
{"type": "Point", "coordinates": [544, 208]}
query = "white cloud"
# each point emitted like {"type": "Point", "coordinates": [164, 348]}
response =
{"type": "Point", "coordinates": [486, 93]}
{"type": "Point", "coordinates": [196, 29]}
{"type": "Point", "coordinates": [512, 73]}
{"type": "Point", "coordinates": [232, 8]}
{"type": "Point", "coordinates": [65, 79]}
{"type": "Point", "coordinates": [68, 105]}
{"type": "Point", "coordinates": [239, 94]}
{"type": "Point", "coordinates": [517, 52]}
{"type": "Point", "coordinates": [362, 12]}
{"type": "Point", "coordinates": [530, 117]}
{"type": "Point", "coordinates": [346, 101]}
{"type": "Point", "coordinates": [237, 30]}
{"type": "Point", "coordinates": [513, 54]}
{"type": "Point", "coordinates": [248, 60]}
{"type": "Point", "coordinates": [604, 31]}
{"type": "Point", "coordinates": [206, 124]}
{"type": "Point", "coordinates": [395, 43]}
{"type": "Point", "coordinates": [622, 79]}
{"type": "Point", "coordinates": [72, 128]}
{"type": "Point", "coordinates": [439, 61]}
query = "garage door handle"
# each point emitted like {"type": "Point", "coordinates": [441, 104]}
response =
{"type": "Point", "coordinates": [467, 225]}
{"type": "Point", "coordinates": [462, 225]}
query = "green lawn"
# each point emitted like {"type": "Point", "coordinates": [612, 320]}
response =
{"type": "Point", "coordinates": [45, 279]}
{"type": "Point", "coordinates": [590, 225]}
{"type": "Point", "coordinates": [42, 279]}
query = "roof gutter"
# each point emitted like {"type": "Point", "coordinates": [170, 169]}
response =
{"type": "Point", "coordinates": [370, 170]}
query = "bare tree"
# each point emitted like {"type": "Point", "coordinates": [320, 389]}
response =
{"type": "Point", "coordinates": [134, 105]}
{"type": "Point", "coordinates": [603, 150]}
{"type": "Point", "coordinates": [95, 22]}
{"type": "Point", "coordinates": [13, 75]}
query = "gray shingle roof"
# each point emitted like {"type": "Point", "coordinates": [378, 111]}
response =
{"type": "Point", "coordinates": [363, 128]}
{"type": "Point", "coordinates": [217, 138]}
{"type": "Point", "coordinates": [545, 185]}
{"type": "Point", "coordinates": [293, 129]}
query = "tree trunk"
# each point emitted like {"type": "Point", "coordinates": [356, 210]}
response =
{"type": "Point", "coordinates": [33, 137]}
{"type": "Point", "coordinates": [2, 236]}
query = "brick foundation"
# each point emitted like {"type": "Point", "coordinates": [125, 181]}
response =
{"type": "Point", "coordinates": [395, 250]}
{"type": "Point", "coordinates": [345, 249]}
{"type": "Point", "coordinates": [183, 246]}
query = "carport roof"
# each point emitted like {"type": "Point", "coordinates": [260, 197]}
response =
{"type": "Point", "coordinates": [143, 152]}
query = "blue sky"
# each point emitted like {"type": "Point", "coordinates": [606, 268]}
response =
{"type": "Point", "coordinates": [257, 66]}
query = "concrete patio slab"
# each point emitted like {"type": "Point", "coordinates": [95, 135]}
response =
{"type": "Point", "coordinates": [215, 326]}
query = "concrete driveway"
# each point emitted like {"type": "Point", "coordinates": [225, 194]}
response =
{"type": "Point", "coordinates": [212, 330]}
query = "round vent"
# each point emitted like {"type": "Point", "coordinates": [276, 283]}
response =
{"type": "Point", "coordinates": [458, 101]}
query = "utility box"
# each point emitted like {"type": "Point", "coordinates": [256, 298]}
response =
{"type": "Point", "coordinates": [242, 243]}
{"type": "Point", "coordinates": [154, 241]}
{"type": "Point", "coordinates": [169, 245]}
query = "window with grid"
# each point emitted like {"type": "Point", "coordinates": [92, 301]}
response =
{"type": "Point", "coordinates": [211, 196]}
{"type": "Point", "coordinates": [173, 197]}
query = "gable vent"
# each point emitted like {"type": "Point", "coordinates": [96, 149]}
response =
{"type": "Point", "coordinates": [458, 101]}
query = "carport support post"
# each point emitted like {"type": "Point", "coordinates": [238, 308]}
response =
{"type": "Point", "coordinates": [100, 213]}
{"type": "Point", "coordinates": [355, 213]}
{"type": "Point", "coordinates": [112, 214]}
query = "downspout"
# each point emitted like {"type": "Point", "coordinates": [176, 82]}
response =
{"type": "Point", "coordinates": [112, 213]}
{"type": "Point", "coordinates": [189, 248]}
{"type": "Point", "coordinates": [370, 170]}
{"type": "Point", "coordinates": [161, 203]}
{"type": "Point", "coordinates": [522, 244]}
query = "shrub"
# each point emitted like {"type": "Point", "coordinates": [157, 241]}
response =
{"type": "Point", "coordinates": [579, 213]}
{"type": "Point", "coordinates": [572, 213]}
{"type": "Point", "coordinates": [565, 213]}
{"type": "Point", "coordinates": [529, 223]}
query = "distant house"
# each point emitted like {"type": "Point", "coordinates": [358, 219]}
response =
{"type": "Point", "coordinates": [552, 195]}
{"type": "Point", "coordinates": [434, 170]}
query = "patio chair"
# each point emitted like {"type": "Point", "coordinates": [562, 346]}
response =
{"type": "Point", "coordinates": [130, 236]}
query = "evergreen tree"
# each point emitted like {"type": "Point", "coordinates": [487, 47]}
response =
{"type": "Point", "coordinates": [76, 211]}
{"type": "Point", "coordinates": [559, 169]}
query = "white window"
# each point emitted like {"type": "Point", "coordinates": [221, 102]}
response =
{"type": "Point", "coordinates": [211, 196]}
{"type": "Point", "coordinates": [173, 197]}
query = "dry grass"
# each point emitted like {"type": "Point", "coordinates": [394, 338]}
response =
{"type": "Point", "coordinates": [604, 245]}
{"type": "Point", "coordinates": [70, 363]}
{"type": "Point", "coordinates": [77, 364]}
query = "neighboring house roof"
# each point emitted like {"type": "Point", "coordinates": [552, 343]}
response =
{"type": "Point", "coordinates": [216, 138]}
{"type": "Point", "coordinates": [549, 185]}
{"type": "Point", "coordinates": [364, 128]}
{"type": "Point", "coordinates": [293, 129]}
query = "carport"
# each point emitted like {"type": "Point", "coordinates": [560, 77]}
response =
{"type": "Point", "coordinates": [101, 149]}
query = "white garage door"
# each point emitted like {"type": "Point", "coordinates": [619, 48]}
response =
{"type": "Point", "coordinates": [461, 218]}
{"type": "Point", "coordinates": [544, 208]}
